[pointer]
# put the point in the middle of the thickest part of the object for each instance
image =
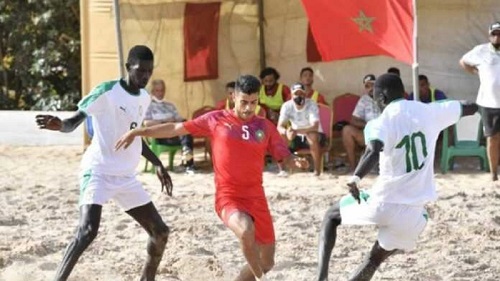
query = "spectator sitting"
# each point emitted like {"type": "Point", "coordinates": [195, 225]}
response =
{"type": "Point", "coordinates": [228, 102]}
{"type": "Point", "coordinates": [427, 94]}
{"type": "Point", "coordinates": [304, 130]}
{"type": "Point", "coordinates": [161, 111]}
{"type": "Point", "coordinates": [395, 70]}
{"type": "Point", "coordinates": [307, 79]}
{"type": "Point", "coordinates": [366, 109]}
{"type": "Point", "coordinates": [272, 94]}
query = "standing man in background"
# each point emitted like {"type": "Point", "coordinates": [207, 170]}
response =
{"type": "Point", "coordinates": [484, 60]}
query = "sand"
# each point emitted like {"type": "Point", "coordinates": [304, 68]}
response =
{"type": "Point", "coordinates": [38, 216]}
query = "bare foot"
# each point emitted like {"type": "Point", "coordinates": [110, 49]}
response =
{"type": "Point", "coordinates": [494, 177]}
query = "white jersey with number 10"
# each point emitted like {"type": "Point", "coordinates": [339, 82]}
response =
{"type": "Point", "coordinates": [409, 131]}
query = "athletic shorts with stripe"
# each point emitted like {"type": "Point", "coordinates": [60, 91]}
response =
{"type": "Point", "coordinates": [256, 208]}
{"type": "Point", "coordinates": [126, 191]}
{"type": "Point", "coordinates": [398, 225]}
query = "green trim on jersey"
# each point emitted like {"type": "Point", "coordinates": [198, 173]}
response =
{"type": "Point", "coordinates": [95, 94]}
{"type": "Point", "coordinates": [349, 200]}
{"type": "Point", "coordinates": [84, 182]}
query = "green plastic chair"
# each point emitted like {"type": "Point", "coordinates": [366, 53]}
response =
{"type": "Point", "coordinates": [159, 149]}
{"type": "Point", "coordinates": [462, 146]}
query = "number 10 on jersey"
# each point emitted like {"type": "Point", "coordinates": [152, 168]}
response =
{"type": "Point", "coordinates": [410, 144]}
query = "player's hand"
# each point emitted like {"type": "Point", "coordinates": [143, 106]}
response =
{"type": "Point", "coordinates": [166, 181]}
{"type": "Point", "coordinates": [354, 190]}
{"type": "Point", "coordinates": [48, 122]}
{"type": "Point", "coordinates": [125, 140]}
{"type": "Point", "coordinates": [301, 163]}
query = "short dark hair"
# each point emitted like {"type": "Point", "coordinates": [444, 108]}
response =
{"type": "Point", "coordinates": [269, 71]}
{"type": "Point", "coordinates": [307, 68]}
{"type": "Point", "coordinates": [422, 77]}
{"type": "Point", "coordinates": [247, 84]}
{"type": "Point", "coordinates": [394, 70]}
{"type": "Point", "coordinates": [390, 86]}
{"type": "Point", "coordinates": [140, 53]}
{"type": "Point", "coordinates": [231, 84]}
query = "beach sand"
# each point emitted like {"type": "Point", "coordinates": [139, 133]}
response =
{"type": "Point", "coordinates": [39, 213]}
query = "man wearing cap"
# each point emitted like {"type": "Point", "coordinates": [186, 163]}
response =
{"type": "Point", "coordinates": [484, 60]}
{"type": "Point", "coordinates": [304, 130]}
{"type": "Point", "coordinates": [366, 109]}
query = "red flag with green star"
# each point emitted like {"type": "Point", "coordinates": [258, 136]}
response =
{"type": "Point", "coordinates": [346, 29]}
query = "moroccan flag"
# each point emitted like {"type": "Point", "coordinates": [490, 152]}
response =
{"type": "Point", "coordinates": [201, 28]}
{"type": "Point", "coordinates": [345, 29]}
{"type": "Point", "coordinates": [312, 51]}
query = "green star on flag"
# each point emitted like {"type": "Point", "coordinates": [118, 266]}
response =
{"type": "Point", "coordinates": [364, 22]}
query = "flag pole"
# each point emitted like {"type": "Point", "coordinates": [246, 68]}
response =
{"type": "Point", "coordinates": [116, 7]}
{"type": "Point", "coordinates": [416, 94]}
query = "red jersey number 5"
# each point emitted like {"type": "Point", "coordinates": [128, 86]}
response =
{"type": "Point", "coordinates": [246, 134]}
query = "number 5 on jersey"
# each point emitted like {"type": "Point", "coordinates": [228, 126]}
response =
{"type": "Point", "coordinates": [246, 134]}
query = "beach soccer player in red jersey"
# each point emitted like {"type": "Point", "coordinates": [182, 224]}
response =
{"type": "Point", "coordinates": [240, 141]}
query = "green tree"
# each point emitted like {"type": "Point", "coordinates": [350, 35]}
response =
{"type": "Point", "coordinates": [40, 52]}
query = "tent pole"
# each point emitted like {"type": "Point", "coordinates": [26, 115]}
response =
{"type": "Point", "coordinates": [118, 30]}
{"type": "Point", "coordinates": [415, 66]}
{"type": "Point", "coordinates": [262, 45]}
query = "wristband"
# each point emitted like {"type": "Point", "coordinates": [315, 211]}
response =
{"type": "Point", "coordinates": [355, 179]}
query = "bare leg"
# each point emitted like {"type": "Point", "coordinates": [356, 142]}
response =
{"type": "Point", "coordinates": [352, 136]}
{"type": "Point", "coordinates": [366, 270]}
{"type": "Point", "coordinates": [327, 237]}
{"type": "Point", "coordinates": [149, 218]}
{"type": "Point", "coordinates": [90, 218]}
{"type": "Point", "coordinates": [266, 262]}
{"type": "Point", "coordinates": [243, 227]}
{"type": "Point", "coordinates": [313, 140]}
{"type": "Point", "coordinates": [493, 144]}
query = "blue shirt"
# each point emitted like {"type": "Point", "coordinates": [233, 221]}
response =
{"type": "Point", "coordinates": [438, 95]}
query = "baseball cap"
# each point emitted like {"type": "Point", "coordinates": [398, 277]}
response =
{"type": "Point", "coordinates": [494, 26]}
{"type": "Point", "coordinates": [298, 87]}
{"type": "Point", "coordinates": [369, 78]}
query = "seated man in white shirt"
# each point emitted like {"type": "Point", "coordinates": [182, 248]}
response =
{"type": "Point", "coordinates": [160, 111]}
{"type": "Point", "coordinates": [304, 131]}
{"type": "Point", "coordinates": [366, 109]}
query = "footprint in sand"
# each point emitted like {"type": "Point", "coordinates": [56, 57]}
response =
{"type": "Point", "coordinates": [120, 227]}
{"type": "Point", "coordinates": [48, 266]}
{"type": "Point", "coordinates": [12, 221]}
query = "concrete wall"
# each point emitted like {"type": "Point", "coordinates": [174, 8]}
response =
{"type": "Point", "coordinates": [19, 128]}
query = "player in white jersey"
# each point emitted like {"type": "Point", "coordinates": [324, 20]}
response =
{"type": "Point", "coordinates": [116, 107]}
{"type": "Point", "coordinates": [403, 138]}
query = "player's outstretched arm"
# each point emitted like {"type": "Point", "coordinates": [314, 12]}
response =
{"type": "Point", "coordinates": [53, 123]}
{"type": "Point", "coordinates": [161, 172]}
{"type": "Point", "coordinates": [167, 130]}
{"type": "Point", "coordinates": [367, 162]}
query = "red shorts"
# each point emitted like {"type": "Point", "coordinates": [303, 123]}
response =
{"type": "Point", "coordinates": [256, 208]}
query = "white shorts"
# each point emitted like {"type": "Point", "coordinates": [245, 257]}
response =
{"type": "Point", "coordinates": [399, 225]}
{"type": "Point", "coordinates": [126, 191]}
